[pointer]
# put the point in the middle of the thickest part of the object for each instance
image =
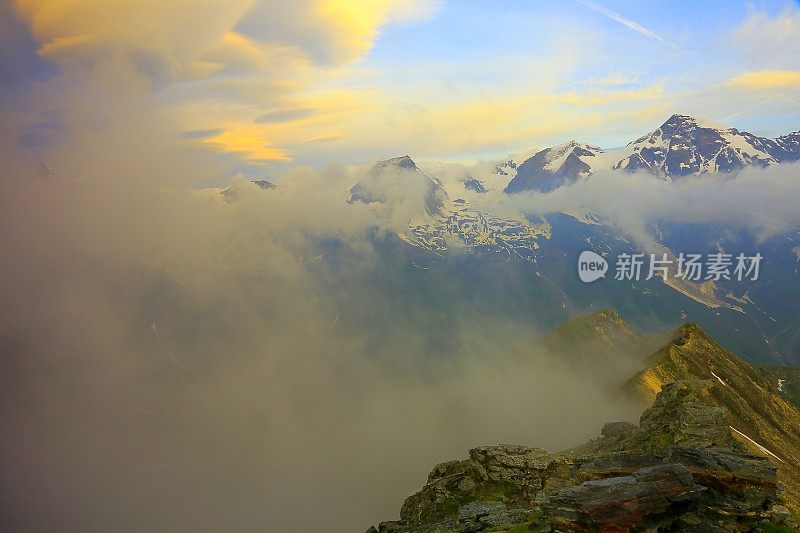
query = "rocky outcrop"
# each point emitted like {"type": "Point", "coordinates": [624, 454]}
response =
{"type": "Point", "coordinates": [624, 502]}
{"type": "Point", "coordinates": [680, 469]}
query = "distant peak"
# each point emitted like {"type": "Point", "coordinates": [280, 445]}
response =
{"type": "Point", "coordinates": [264, 184]}
{"type": "Point", "coordinates": [604, 327]}
{"type": "Point", "coordinates": [690, 330]}
{"type": "Point", "coordinates": [567, 146]}
{"type": "Point", "coordinates": [403, 162]}
{"type": "Point", "coordinates": [683, 121]}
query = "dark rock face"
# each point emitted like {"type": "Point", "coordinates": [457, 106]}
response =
{"type": "Point", "coordinates": [233, 192]}
{"type": "Point", "coordinates": [552, 168]}
{"type": "Point", "coordinates": [264, 184]}
{"type": "Point", "coordinates": [471, 184]}
{"type": "Point", "coordinates": [624, 502]}
{"type": "Point", "coordinates": [683, 147]}
{"type": "Point", "coordinates": [790, 146]}
{"type": "Point", "coordinates": [678, 470]}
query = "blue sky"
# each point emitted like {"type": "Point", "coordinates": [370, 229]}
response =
{"type": "Point", "coordinates": [480, 45]}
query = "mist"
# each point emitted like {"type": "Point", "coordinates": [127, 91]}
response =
{"type": "Point", "coordinates": [176, 361]}
{"type": "Point", "coordinates": [761, 201]}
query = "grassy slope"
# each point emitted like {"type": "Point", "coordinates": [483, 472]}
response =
{"type": "Point", "coordinates": [754, 408]}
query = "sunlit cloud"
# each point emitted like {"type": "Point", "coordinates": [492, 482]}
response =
{"type": "Point", "coordinates": [246, 140]}
{"type": "Point", "coordinates": [269, 82]}
{"type": "Point", "coordinates": [767, 79]}
{"type": "Point", "coordinates": [285, 115]}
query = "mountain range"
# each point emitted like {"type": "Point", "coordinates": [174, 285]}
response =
{"type": "Point", "coordinates": [682, 146]}
{"type": "Point", "coordinates": [757, 318]}
{"type": "Point", "coordinates": [446, 215]}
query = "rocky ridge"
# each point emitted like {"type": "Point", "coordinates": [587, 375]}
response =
{"type": "Point", "coordinates": [678, 470]}
{"type": "Point", "coordinates": [716, 450]}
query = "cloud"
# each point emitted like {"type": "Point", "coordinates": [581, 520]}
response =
{"type": "Point", "coordinates": [331, 31]}
{"type": "Point", "coordinates": [181, 362]}
{"type": "Point", "coordinates": [223, 64]}
{"type": "Point", "coordinates": [767, 79]}
{"type": "Point", "coordinates": [285, 115]}
{"type": "Point", "coordinates": [756, 200]}
{"type": "Point", "coordinates": [81, 32]}
{"type": "Point", "coordinates": [202, 134]}
{"type": "Point", "coordinates": [510, 121]}
{"type": "Point", "coordinates": [628, 23]}
{"type": "Point", "coordinates": [326, 137]}
{"type": "Point", "coordinates": [247, 140]}
{"type": "Point", "coordinates": [769, 41]}
{"type": "Point", "coordinates": [230, 33]}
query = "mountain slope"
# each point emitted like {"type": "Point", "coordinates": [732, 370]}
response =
{"type": "Point", "coordinates": [555, 167]}
{"type": "Point", "coordinates": [716, 450]}
{"type": "Point", "coordinates": [393, 180]}
{"type": "Point", "coordinates": [684, 146]}
{"type": "Point", "coordinates": [758, 416]}
{"type": "Point", "coordinates": [601, 345]}
{"type": "Point", "coordinates": [678, 470]}
{"type": "Point", "coordinates": [436, 221]}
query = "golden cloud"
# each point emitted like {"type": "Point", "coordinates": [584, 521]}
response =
{"type": "Point", "coordinates": [766, 79]}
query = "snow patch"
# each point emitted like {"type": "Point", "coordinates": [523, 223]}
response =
{"type": "Point", "coordinates": [718, 378]}
{"type": "Point", "coordinates": [757, 445]}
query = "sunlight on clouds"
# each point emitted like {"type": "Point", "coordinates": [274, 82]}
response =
{"type": "Point", "coordinates": [254, 132]}
{"type": "Point", "coordinates": [248, 141]}
{"type": "Point", "coordinates": [767, 79]}
{"type": "Point", "coordinates": [357, 22]}
{"type": "Point", "coordinates": [278, 80]}
{"type": "Point", "coordinates": [509, 121]}
{"type": "Point", "coordinates": [225, 65]}
{"type": "Point", "coordinates": [167, 35]}
{"type": "Point", "coordinates": [180, 32]}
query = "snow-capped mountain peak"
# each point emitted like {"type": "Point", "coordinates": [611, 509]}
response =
{"type": "Point", "coordinates": [400, 180]}
{"type": "Point", "coordinates": [553, 167]}
{"type": "Point", "coordinates": [682, 146]}
{"type": "Point", "coordinates": [403, 162]}
{"type": "Point", "coordinates": [685, 146]}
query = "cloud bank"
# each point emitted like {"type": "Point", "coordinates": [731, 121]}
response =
{"type": "Point", "coordinates": [173, 361]}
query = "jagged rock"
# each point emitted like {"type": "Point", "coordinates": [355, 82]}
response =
{"type": "Point", "coordinates": [393, 174]}
{"type": "Point", "coordinates": [679, 470]}
{"type": "Point", "coordinates": [513, 474]}
{"type": "Point", "coordinates": [478, 516]}
{"type": "Point", "coordinates": [625, 502]}
{"type": "Point", "coordinates": [681, 415]}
